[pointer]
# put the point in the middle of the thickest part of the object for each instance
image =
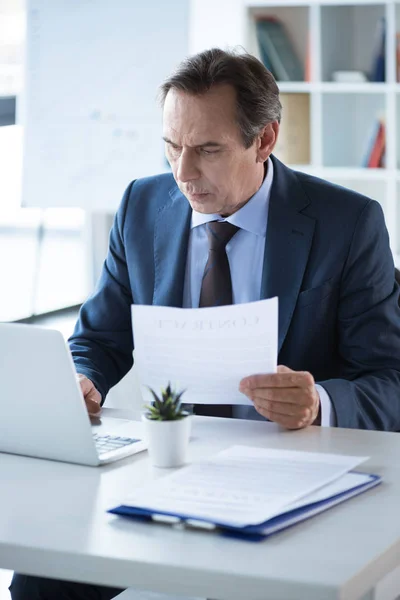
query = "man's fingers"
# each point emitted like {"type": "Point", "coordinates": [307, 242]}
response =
{"type": "Point", "coordinates": [286, 420]}
{"type": "Point", "coordinates": [283, 369]}
{"type": "Point", "coordinates": [294, 396]}
{"type": "Point", "coordinates": [91, 395]}
{"type": "Point", "coordinates": [292, 410]}
{"type": "Point", "coordinates": [92, 400]}
{"type": "Point", "coordinates": [286, 397]}
{"type": "Point", "coordinates": [285, 379]}
{"type": "Point", "coordinates": [93, 408]}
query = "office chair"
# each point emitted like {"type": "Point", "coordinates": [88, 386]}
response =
{"type": "Point", "coordinates": [397, 278]}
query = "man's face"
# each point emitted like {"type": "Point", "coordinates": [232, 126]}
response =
{"type": "Point", "coordinates": [210, 164]}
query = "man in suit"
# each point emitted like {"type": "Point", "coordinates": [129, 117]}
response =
{"type": "Point", "coordinates": [321, 249]}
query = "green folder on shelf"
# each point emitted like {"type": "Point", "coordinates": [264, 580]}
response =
{"type": "Point", "coordinates": [277, 52]}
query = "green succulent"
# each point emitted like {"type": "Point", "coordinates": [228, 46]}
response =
{"type": "Point", "coordinates": [167, 407]}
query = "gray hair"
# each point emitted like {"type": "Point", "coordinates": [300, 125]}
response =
{"type": "Point", "coordinates": [257, 94]}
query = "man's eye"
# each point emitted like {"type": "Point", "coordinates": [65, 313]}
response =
{"type": "Point", "coordinates": [208, 152]}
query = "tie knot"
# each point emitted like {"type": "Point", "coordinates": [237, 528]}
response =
{"type": "Point", "coordinates": [219, 233]}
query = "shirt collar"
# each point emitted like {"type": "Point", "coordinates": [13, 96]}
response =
{"type": "Point", "coordinates": [252, 216]}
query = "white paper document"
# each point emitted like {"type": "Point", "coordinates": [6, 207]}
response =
{"type": "Point", "coordinates": [205, 351]}
{"type": "Point", "coordinates": [242, 485]}
{"type": "Point", "coordinates": [344, 483]}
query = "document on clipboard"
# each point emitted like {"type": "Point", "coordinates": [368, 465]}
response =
{"type": "Point", "coordinates": [249, 491]}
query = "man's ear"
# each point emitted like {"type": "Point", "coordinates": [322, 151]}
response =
{"type": "Point", "coordinates": [266, 141]}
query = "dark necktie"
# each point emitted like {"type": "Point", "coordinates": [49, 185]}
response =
{"type": "Point", "coordinates": [216, 286]}
{"type": "Point", "coordinates": [216, 290]}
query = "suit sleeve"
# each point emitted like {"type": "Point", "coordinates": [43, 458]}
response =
{"type": "Point", "coordinates": [367, 396]}
{"type": "Point", "coordinates": [102, 342]}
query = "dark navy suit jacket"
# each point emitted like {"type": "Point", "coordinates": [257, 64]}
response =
{"type": "Point", "coordinates": [327, 258]}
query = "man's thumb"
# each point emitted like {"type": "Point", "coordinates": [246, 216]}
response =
{"type": "Point", "coordinates": [283, 369]}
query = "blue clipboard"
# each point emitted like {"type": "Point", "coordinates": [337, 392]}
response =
{"type": "Point", "coordinates": [254, 533]}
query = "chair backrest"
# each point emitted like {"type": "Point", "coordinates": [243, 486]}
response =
{"type": "Point", "coordinates": [397, 278]}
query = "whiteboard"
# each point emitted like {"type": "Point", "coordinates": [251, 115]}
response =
{"type": "Point", "coordinates": [91, 118]}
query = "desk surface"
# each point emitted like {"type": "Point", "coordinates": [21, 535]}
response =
{"type": "Point", "coordinates": [53, 522]}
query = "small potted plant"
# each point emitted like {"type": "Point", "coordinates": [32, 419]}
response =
{"type": "Point", "coordinates": [167, 428]}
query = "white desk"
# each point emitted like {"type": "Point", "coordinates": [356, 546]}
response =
{"type": "Point", "coordinates": [53, 522]}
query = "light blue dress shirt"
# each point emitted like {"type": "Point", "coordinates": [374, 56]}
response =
{"type": "Point", "coordinates": [245, 253]}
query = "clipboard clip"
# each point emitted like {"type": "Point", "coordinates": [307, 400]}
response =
{"type": "Point", "coordinates": [182, 523]}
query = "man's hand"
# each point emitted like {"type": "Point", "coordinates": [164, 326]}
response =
{"type": "Point", "coordinates": [286, 397]}
{"type": "Point", "coordinates": [91, 395]}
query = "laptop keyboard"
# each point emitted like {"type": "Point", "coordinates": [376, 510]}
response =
{"type": "Point", "coordinates": [107, 443]}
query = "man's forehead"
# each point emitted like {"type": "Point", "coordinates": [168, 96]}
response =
{"type": "Point", "coordinates": [217, 93]}
{"type": "Point", "coordinates": [218, 103]}
{"type": "Point", "coordinates": [197, 119]}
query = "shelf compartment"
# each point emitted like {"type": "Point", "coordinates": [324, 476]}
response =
{"type": "Point", "coordinates": [293, 146]}
{"type": "Point", "coordinates": [398, 130]}
{"type": "Point", "coordinates": [349, 173]}
{"type": "Point", "coordinates": [397, 42]}
{"type": "Point", "coordinates": [349, 38]}
{"type": "Point", "coordinates": [346, 88]}
{"type": "Point", "coordinates": [397, 220]}
{"type": "Point", "coordinates": [300, 87]}
{"type": "Point", "coordinates": [295, 20]}
{"type": "Point", "coordinates": [347, 123]}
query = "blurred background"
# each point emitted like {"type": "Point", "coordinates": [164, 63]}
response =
{"type": "Point", "coordinates": [42, 266]}
{"type": "Point", "coordinates": [78, 121]}
{"type": "Point", "coordinates": [79, 117]}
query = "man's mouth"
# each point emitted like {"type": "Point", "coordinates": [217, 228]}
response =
{"type": "Point", "coordinates": [198, 194]}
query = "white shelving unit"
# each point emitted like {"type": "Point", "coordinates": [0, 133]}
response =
{"type": "Point", "coordinates": [336, 35]}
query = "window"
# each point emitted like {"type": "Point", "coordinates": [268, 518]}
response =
{"type": "Point", "coordinates": [43, 253]}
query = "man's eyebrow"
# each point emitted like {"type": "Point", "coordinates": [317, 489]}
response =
{"type": "Point", "coordinates": [208, 144]}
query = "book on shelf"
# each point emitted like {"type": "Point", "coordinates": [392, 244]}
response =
{"type": "Point", "coordinates": [308, 65]}
{"type": "Point", "coordinates": [276, 50]}
{"type": "Point", "coordinates": [293, 145]}
{"type": "Point", "coordinates": [374, 157]}
{"type": "Point", "coordinates": [378, 70]}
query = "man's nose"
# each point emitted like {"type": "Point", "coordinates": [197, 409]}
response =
{"type": "Point", "coordinates": [187, 168]}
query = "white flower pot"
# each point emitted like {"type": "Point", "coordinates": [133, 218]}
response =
{"type": "Point", "coordinates": [167, 441]}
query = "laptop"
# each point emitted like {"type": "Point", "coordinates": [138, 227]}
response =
{"type": "Point", "coordinates": [42, 410]}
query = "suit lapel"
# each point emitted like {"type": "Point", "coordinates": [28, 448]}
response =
{"type": "Point", "coordinates": [287, 246]}
{"type": "Point", "coordinates": [171, 238]}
